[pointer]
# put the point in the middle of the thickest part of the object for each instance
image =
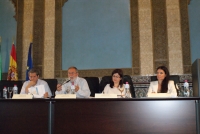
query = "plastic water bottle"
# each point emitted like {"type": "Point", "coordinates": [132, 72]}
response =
{"type": "Point", "coordinates": [5, 92]}
{"type": "Point", "coordinates": [186, 89]}
{"type": "Point", "coordinates": [127, 89]}
{"type": "Point", "coordinates": [15, 89]}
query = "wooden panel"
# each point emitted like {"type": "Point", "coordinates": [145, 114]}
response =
{"type": "Point", "coordinates": [105, 116]}
{"type": "Point", "coordinates": [23, 117]}
{"type": "Point", "coordinates": [38, 35]}
{"type": "Point", "coordinates": [185, 37]}
{"type": "Point", "coordinates": [58, 37]}
{"type": "Point", "coordinates": [159, 22]}
{"type": "Point", "coordinates": [135, 37]}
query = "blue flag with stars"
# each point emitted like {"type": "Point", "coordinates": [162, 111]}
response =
{"type": "Point", "coordinates": [29, 62]}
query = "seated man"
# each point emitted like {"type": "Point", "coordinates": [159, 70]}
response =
{"type": "Point", "coordinates": [79, 85]}
{"type": "Point", "coordinates": [35, 81]}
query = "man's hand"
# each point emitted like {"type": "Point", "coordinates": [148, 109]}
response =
{"type": "Point", "coordinates": [30, 84]}
{"type": "Point", "coordinates": [46, 95]}
{"type": "Point", "coordinates": [76, 88]}
{"type": "Point", "coordinates": [59, 87]}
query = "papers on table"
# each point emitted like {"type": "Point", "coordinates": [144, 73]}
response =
{"type": "Point", "coordinates": [106, 96]}
{"type": "Point", "coordinates": [66, 96]}
{"type": "Point", "coordinates": [37, 91]}
{"type": "Point", "coordinates": [22, 96]}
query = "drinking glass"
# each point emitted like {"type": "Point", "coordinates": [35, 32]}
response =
{"type": "Point", "coordinates": [10, 89]}
{"type": "Point", "coordinates": [72, 91]}
{"type": "Point", "coordinates": [121, 89]}
{"type": "Point", "coordinates": [68, 90]}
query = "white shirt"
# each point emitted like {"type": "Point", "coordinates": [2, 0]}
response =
{"type": "Point", "coordinates": [154, 88]}
{"type": "Point", "coordinates": [83, 92]}
{"type": "Point", "coordinates": [114, 90]}
{"type": "Point", "coordinates": [39, 82]}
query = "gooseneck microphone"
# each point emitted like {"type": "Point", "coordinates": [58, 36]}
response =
{"type": "Point", "coordinates": [64, 83]}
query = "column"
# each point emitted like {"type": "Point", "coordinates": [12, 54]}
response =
{"type": "Point", "coordinates": [49, 39]}
{"type": "Point", "coordinates": [145, 31]}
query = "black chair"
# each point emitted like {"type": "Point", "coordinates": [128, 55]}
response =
{"type": "Point", "coordinates": [175, 78]}
{"type": "Point", "coordinates": [107, 79]}
{"type": "Point", "coordinates": [93, 83]}
{"type": "Point", "coordinates": [104, 81]}
{"type": "Point", "coordinates": [127, 78]}
{"type": "Point", "coordinates": [52, 85]}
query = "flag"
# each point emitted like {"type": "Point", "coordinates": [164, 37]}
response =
{"type": "Point", "coordinates": [29, 62]}
{"type": "Point", "coordinates": [12, 71]}
{"type": "Point", "coordinates": [0, 61]}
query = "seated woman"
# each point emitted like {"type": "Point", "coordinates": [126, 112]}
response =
{"type": "Point", "coordinates": [116, 85]}
{"type": "Point", "coordinates": [163, 84]}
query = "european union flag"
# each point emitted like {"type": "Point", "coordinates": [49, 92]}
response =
{"type": "Point", "coordinates": [29, 62]}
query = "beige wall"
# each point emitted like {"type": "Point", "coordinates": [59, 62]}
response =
{"type": "Point", "coordinates": [157, 37]}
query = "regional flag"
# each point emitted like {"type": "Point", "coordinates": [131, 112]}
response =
{"type": "Point", "coordinates": [29, 62]}
{"type": "Point", "coordinates": [0, 61]}
{"type": "Point", "coordinates": [12, 71]}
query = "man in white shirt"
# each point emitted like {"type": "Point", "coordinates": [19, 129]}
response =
{"type": "Point", "coordinates": [35, 81]}
{"type": "Point", "coordinates": [79, 85]}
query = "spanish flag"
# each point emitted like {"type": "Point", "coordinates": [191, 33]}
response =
{"type": "Point", "coordinates": [12, 71]}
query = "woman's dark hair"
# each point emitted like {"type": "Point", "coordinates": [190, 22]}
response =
{"type": "Point", "coordinates": [164, 85]}
{"type": "Point", "coordinates": [120, 72]}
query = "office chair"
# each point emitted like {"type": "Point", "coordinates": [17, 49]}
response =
{"type": "Point", "coordinates": [52, 85]}
{"type": "Point", "coordinates": [93, 83]}
{"type": "Point", "coordinates": [175, 78]}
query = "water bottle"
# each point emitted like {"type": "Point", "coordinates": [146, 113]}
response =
{"type": "Point", "coordinates": [127, 90]}
{"type": "Point", "coordinates": [5, 92]}
{"type": "Point", "coordinates": [186, 89]}
{"type": "Point", "coordinates": [15, 89]}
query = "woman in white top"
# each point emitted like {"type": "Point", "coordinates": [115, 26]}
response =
{"type": "Point", "coordinates": [163, 84]}
{"type": "Point", "coordinates": [116, 85]}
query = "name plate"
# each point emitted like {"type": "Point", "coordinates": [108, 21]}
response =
{"type": "Point", "coordinates": [22, 96]}
{"type": "Point", "coordinates": [106, 96]}
{"type": "Point", "coordinates": [66, 96]}
{"type": "Point", "coordinates": [159, 95]}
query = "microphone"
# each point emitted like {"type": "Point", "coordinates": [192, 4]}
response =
{"type": "Point", "coordinates": [64, 83]}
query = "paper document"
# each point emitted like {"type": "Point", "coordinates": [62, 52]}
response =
{"type": "Point", "coordinates": [37, 91]}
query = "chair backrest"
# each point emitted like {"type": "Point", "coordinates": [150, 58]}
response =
{"type": "Point", "coordinates": [52, 85]}
{"type": "Point", "coordinates": [107, 79]}
{"type": "Point", "coordinates": [104, 81]}
{"type": "Point", "coordinates": [93, 83]}
{"type": "Point", "coordinates": [127, 78]}
{"type": "Point", "coordinates": [175, 78]}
